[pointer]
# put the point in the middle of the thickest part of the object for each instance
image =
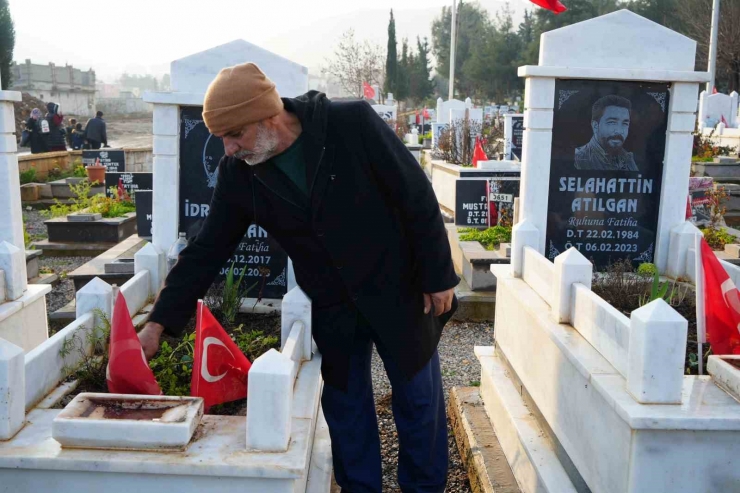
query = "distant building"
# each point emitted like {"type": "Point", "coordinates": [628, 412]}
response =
{"type": "Point", "coordinates": [72, 89]}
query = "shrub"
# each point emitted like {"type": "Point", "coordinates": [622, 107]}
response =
{"type": "Point", "coordinates": [647, 269]}
{"type": "Point", "coordinates": [718, 238]}
{"type": "Point", "coordinates": [490, 238]}
{"type": "Point", "coordinates": [28, 176]}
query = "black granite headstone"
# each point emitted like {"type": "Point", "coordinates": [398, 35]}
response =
{"type": "Point", "coordinates": [113, 160]}
{"type": "Point", "coordinates": [200, 153]}
{"type": "Point", "coordinates": [477, 199]}
{"type": "Point", "coordinates": [144, 214]}
{"type": "Point", "coordinates": [608, 145]}
{"type": "Point", "coordinates": [517, 137]}
{"type": "Point", "coordinates": [130, 181]}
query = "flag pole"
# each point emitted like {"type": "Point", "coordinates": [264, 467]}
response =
{"type": "Point", "coordinates": [713, 46]}
{"type": "Point", "coordinates": [701, 331]}
{"type": "Point", "coordinates": [452, 51]}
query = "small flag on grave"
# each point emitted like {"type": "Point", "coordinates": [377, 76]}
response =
{"type": "Point", "coordinates": [128, 371]}
{"type": "Point", "coordinates": [478, 153]}
{"type": "Point", "coordinates": [551, 5]}
{"type": "Point", "coordinates": [219, 367]}
{"type": "Point", "coordinates": [718, 304]}
{"type": "Point", "coordinates": [368, 90]}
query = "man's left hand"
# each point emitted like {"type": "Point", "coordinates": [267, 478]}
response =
{"type": "Point", "coordinates": [441, 301]}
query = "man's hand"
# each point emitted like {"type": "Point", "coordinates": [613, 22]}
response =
{"type": "Point", "coordinates": [149, 339]}
{"type": "Point", "coordinates": [442, 302]}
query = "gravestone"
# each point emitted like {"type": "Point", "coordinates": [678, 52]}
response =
{"type": "Point", "coordinates": [700, 203]}
{"type": "Point", "coordinates": [608, 146]}
{"type": "Point", "coordinates": [386, 112]}
{"type": "Point", "coordinates": [144, 213]}
{"type": "Point", "coordinates": [513, 136]}
{"type": "Point", "coordinates": [258, 253]}
{"type": "Point", "coordinates": [598, 182]}
{"type": "Point", "coordinates": [718, 108]}
{"type": "Point", "coordinates": [481, 203]}
{"type": "Point", "coordinates": [131, 182]}
{"type": "Point", "coordinates": [114, 160]}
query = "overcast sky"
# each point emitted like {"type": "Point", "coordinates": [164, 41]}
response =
{"type": "Point", "coordinates": [144, 36]}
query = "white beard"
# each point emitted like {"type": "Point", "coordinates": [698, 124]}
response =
{"type": "Point", "coordinates": [264, 147]}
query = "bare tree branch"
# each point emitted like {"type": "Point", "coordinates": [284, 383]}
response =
{"type": "Point", "coordinates": [356, 62]}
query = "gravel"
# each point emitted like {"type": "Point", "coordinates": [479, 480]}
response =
{"type": "Point", "coordinates": [63, 292]}
{"type": "Point", "coordinates": [460, 368]}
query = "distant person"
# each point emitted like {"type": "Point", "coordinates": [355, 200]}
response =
{"type": "Point", "coordinates": [78, 137]}
{"type": "Point", "coordinates": [36, 140]}
{"type": "Point", "coordinates": [53, 131]}
{"type": "Point", "coordinates": [610, 122]}
{"type": "Point", "coordinates": [68, 131]}
{"type": "Point", "coordinates": [95, 131]}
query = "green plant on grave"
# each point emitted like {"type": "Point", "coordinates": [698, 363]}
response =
{"type": "Point", "coordinates": [490, 238]}
{"type": "Point", "coordinates": [667, 291]}
{"type": "Point", "coordinates": [79, 171]}
{"type": "Point", "coordinates": [114, 206]}
{"type": "Point", "coordinates": [78, 202]}
{"type": "Point", "coordinates": [92, 353]}
{"type": "Point", "coordinates": [647, 269]}
{"type": "Point", "coordinates": [173, 366]}
{"type": "Point", "coordinates": [254, 343]}
{"type": "Point", "coordinates": [718, 238]}
{"type": "Point", "coordinates": [231, 298]}
{"type": "Point", "coordinates": [26, 237]}
{"type": "Point", "coordinates": [28, 176]}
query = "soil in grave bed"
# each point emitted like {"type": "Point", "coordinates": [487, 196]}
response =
{"type": "Point", "coordinates": [624, 289]}
{"type": "Point", "coordinates": [172, 365]}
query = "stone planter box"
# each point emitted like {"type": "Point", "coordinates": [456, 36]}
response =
{"type": "Point", "coordinates": [722, 169]}
{"type": "Point", "coordinates": [113, 230]}
{"type": "Point", "coordinates": [60, 188]}
{"type": "Point", "coordinates": [725, 371]}
{"type": "Point", "coordinates": [474, 262]}
{"type": "Point", "coordinates": [127, 422]}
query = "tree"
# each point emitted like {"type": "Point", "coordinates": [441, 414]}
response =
{"type": "Point", "coordinates": [164, 84]}
{"type": "Point", "coordinates": [391, 60]}
{"type": "Point", "coordinates": [664, 12]}
{"type": "Point", "coordinates": [141, 82]}
{"type": "Point", "coordinates": [7, 44]}
{"type": "Point", "coordinates": [355, 62]}
{"type": "Point", "coordinates": [423, 87]}
{"type": "Point", "coordinates": [696, 18]}
{"type": "Point", "coordinates": [404, 73]}
{"type": "Point", "coordinates": [472, 23]}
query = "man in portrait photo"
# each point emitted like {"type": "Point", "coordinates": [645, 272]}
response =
{"type": "Point", "coordinates": [610, 122]}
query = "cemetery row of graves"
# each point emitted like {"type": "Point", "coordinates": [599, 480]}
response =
{"type": "Point", "coordinates": [609, 371]}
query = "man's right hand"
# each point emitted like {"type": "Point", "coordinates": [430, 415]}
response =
{"type": "Point", "coordinates": [149, 338]}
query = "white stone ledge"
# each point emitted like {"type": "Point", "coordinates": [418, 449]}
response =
{"type": "Point", "coordinates": [13, 96]}
{"type": "Point", "coordinates": [529, 453]}
{"type": "Point", "coordinates": [32, 293]}
{"type": "Point", "coordinates": [704, 406]}
{"type": "Point", "coordinates": [44, 364]}
{"type": "Point", "coordinates": [174, 98]}
{"type": "Point", "coordinates": [612, 74]}
{"type": "Point", "coordinates": [136, 292]}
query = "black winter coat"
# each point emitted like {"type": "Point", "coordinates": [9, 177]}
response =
{"type": "Point", "coordinates": [95, 130]}
{"type": "Point", "coordinates": [369, 241]}
{"type": "Point", "coordinates": [36, 142]}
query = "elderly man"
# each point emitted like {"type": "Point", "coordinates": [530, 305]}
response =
{"type": "Point", "coordinates": [358, 217]}
{"type": "Point", "coordinates": [610, 123]}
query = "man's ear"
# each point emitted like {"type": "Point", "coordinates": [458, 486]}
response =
{"type": "Point", "coordinates": [594, 126]}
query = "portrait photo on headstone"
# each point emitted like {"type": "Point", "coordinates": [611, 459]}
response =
{"type": "Point", "coordinates": [608, 145]}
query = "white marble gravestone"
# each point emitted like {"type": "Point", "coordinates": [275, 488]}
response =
{"type": "Point", "coordinates": [194, 73]}
{"type": "Point", "coordinates": [22, 307]}
{"type": "Point", "coordinates": [589, 50]}
{"type": "Point", "coordinates": [715, 107]}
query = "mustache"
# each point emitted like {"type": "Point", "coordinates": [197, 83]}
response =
{"type": "Point", "coordinates": [616, 137]}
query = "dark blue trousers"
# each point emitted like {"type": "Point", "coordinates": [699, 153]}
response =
{"type": "Point", "coordinates": [419, 412]}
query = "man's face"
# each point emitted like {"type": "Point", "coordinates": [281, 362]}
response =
{"type": "Point", "coordinates": [612, 129]}
{"type": "Point", "coordinates": [254, 144]}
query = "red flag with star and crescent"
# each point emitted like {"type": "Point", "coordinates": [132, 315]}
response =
{"type": "Point", "coordinates": [219, 367]}
{"type": "Point", "coordinates": [368, 90]}
{"type": "Point", "coordinates": [551, 5]}
{"type": "Point", "coordinates": [128, 371]}
{"type": "Point", "coordinates": [722, 305]}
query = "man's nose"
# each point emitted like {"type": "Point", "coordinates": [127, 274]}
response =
{"type": "Point", "coordinates": [230, 147]}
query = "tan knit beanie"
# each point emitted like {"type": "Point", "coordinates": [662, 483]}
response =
{"type": "Point", "coordinates": [238, 96]}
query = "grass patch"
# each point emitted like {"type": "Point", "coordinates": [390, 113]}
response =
{"type": "Point", "coordinates": [490, 238]}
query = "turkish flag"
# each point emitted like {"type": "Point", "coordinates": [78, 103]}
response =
{"type": "Point", "coordinates": [722, 119]}
{"type": "Point", "coordinates": [721, 305]}
{"type": "Point", "coordinates": [128, 371]}
{"type": "Point", "coordinates": [418, 119]}
{"type": "Point", "coordinates": [714, 90]}
{"type": "Point", "coordinates": [426, 114]}
{"type": "Point", "coordinates": [368, 90]}
{"type": "Point", "coordinates": [478, 153]}
{"type": "Point", "coordinates": [551, 5]}
{"type": "Point", "coordinates": [689, 214]}
{"type": "Point", "coordinates": [219, 367]}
